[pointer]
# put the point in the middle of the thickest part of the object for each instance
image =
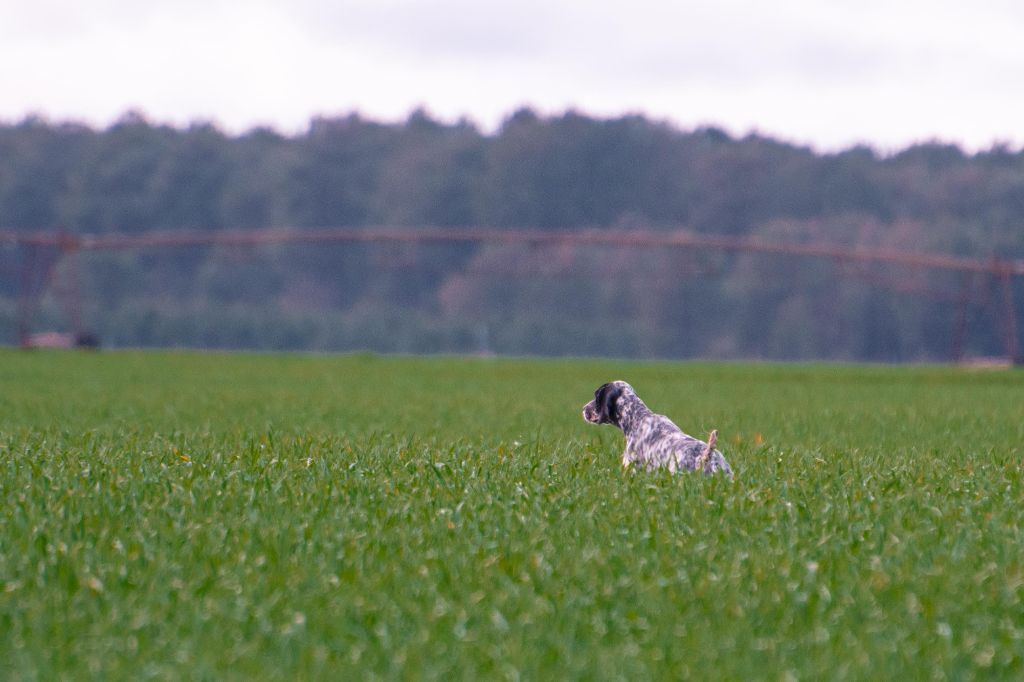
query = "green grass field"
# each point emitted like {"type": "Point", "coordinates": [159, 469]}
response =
{"type": "Point", "coordinates": [194, 516]}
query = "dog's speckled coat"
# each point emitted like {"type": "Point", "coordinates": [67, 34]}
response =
{"type": "Point", "coordinates": [652, 440]}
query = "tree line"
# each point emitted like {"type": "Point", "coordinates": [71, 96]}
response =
{"type": "Point", "coordinates": [569, 171]}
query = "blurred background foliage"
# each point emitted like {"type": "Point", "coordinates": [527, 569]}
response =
{"type": "Point", "coordinates": [568, 171]}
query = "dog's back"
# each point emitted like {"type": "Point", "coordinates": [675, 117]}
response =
{"type": "Point", "coordinates": [658, 442]}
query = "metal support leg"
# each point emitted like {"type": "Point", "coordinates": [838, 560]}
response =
{"type": "Point", "coordinates": [1010, 318]}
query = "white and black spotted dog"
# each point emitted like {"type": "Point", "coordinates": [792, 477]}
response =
{"type": "Point", "coordinates": [652, 440]}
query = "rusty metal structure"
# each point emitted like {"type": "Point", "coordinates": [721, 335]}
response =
{"type": "Point", "coordinates": [40, 252]}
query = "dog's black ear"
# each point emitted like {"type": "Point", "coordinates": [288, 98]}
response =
{"type": "Point", "coordinates": [606, 400]}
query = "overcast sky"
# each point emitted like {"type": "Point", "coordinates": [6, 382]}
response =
{"type": "Point", "coordinates": [830, 73]}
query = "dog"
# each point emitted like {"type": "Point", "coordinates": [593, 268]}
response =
{"type": "Point", "coordinates": [653, 441]}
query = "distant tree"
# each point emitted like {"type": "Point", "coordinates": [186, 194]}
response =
{"type": "Point", "coordinates": [37, 164]}
{"type": "Point", "coordinates": [567, 171]}
{"type": "Point", "coordinates": [337, 171]}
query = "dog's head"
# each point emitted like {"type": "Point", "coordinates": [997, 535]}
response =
{"type": "Point", "coordinates": [604, 408]}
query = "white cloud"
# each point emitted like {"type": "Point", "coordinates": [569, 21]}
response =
{"type": "Point", "coordinates": [829, 73]}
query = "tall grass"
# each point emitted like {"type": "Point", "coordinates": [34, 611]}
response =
{"type": "Point", "coordinates": [229, 516]}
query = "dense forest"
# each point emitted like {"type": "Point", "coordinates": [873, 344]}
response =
{"type": "Point", "coordinates": [561, 172]}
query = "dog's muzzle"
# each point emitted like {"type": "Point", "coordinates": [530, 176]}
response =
{"type": "Point", "coordinates": [590, 413]}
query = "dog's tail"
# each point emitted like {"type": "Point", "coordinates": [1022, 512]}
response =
{"type": "Point", "coordinates": [705, 457]}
